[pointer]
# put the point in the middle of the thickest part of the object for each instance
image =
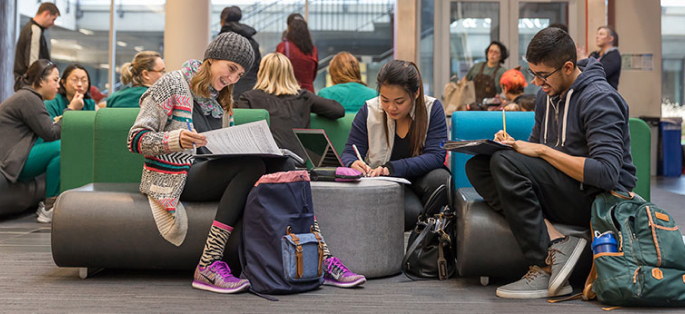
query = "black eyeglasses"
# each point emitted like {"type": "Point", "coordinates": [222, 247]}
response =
{"type": "Point", "coordinates": [544, 77]}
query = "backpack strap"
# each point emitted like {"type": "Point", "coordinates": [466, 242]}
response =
{"type": "Point", "coordinates": [320, 240]}
{"type": "Point", "coordinates": [298, 253]}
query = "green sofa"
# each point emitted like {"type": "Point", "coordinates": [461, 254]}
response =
{"type": "Point", "coordinates": [94, 143]}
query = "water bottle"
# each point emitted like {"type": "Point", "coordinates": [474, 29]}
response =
{"type": "Point", "coordinates": [604, 243]}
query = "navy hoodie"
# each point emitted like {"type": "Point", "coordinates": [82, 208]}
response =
{"type": "Point", "coordinates": [589, 120]}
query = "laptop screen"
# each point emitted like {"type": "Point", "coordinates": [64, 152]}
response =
{"type": "Point", "coordinates": [318, 147]}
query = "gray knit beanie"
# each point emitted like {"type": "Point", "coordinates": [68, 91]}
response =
{"type": "Point", "coordinates": [231, 47]}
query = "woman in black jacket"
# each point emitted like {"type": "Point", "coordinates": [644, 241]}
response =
{"type": "Point", "coordinates": [230, 22]}
{"type": "Point", "coordinates": [289, 106]}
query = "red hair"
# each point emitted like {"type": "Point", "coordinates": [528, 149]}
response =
{"type": "Point", "coordinates": [513, 80]}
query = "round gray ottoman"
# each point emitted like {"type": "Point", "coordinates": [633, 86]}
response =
{"type": "Point", "coordinates": [363, 224]}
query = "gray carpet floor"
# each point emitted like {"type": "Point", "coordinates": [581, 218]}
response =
{"type": "Point", "coordinates": [30, 282]}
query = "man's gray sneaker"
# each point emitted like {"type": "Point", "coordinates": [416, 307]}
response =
{"type": "Point", "coordinates": [533, 285]}
{"type": "Point", "coordinates": [563, 257]}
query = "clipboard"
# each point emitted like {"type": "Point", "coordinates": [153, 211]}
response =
{"type": "Point", "coordinates": [475, 147]}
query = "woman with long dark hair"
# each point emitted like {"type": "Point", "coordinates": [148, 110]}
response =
{"type": "Point", "coordinates": [398, 134]}
{"type": "Point", "coordinates": [299, 48]}
{"type": "Point", "coordinates": [30, 144]}
{"type": "Point", "coordinates": [74, 92]}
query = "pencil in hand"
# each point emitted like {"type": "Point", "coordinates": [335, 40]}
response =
{"type": "Point", "coordinates": [504, 124]}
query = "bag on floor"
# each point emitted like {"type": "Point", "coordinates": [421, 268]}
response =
{"type": "Point", "coordinates": [279, 251]}
{"type": "Point", "coordinates": [431, 251]}
{"type": "Point", "coordinates": [639, 254]}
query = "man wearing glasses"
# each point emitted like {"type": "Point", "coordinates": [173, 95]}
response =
{"type": "Point", "coordinates": [579, 147]}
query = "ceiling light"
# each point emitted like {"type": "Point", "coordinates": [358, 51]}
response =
{"type": "Point", "coordinates": [104, 65]}
{"type": "Point", "coordinates": [138, 48]}
{"type": "Point", "coordinates": [86, 31]}
{"type": "Point", "coordinates": [121, 44]}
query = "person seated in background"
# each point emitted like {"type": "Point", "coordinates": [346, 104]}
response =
{"type": "Point", "coordinates": [486, 75]}
{"type": "Point", "coordinates": [299, 47]}
{"type": "Point", "coordinates": [145, 69]}
{"type": "Point", "coordinates": [399, 134]}
{"type": "Point", "coordinates": [97, 95]}
{"type": "Point", "coordinates": [512, 83]}
{"type": "Point", "coordinates": [348, 88]}
{"type": "Point", "coordinates": [608, 54]}
{"type": "Point", "coordinates": [74, 92]}
{"type": "Point", "coordinates": [289, 106]}
{"type": "Point", "coordinates": [30, 144]}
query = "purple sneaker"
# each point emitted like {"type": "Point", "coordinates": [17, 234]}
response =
{"type": "Point", "coordinates": [336, 274]}
{"type": "Point", "coordinates": [217, 278]}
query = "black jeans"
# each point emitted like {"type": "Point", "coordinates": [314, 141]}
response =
{"type": "Point", "coordinates": [227, 180]}
{"type": "Point", "coordinates": [416, 195]}
{"type": "Point", "coordinates": [527, 190]}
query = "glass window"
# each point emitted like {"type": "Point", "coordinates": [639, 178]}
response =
{"type": "Point", "coordinates": [361, 27]}
{"type": "Point", "coordinates": [426, 62]}
{"type": "Point", "coordinates": [533, 17]}
{"type": "Point", "coordinates": [139, 27]}
{"type": "Point", "coordinates": [472, 27]}
{"type": "Point", "coordinates": [673, 41]}
{"type": "Point", "coordinates": [80, 34]}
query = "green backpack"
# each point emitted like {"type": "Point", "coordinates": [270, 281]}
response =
{"type": "Point", "coordinates": [649, 267]}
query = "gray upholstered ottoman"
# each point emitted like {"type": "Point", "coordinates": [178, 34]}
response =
{"type": "Point", "coordinates": [20, 196]}
{"type": "Point", "coordinates": [363, 224]}
{"type": "Point", "coordinates": [486, 247]}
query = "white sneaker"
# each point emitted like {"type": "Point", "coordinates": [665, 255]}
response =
{"type": "Point", "coordinates": [44, 216]}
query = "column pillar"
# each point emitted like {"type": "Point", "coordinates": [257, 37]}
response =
{"type": "Point", "coordinates": [186, 31]}
{"type": "Point", "coordinates": [8, 36]}
{"type": "Point", "coordinates": [406, 30]}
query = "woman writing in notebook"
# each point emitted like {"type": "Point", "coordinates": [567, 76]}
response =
{"type": "Point", "coordinates": [398, 134]}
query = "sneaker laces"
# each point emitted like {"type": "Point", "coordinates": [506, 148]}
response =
{"type": "Point", "coordinates": [552, 256]}
{"type": "Point", "coordinates": [221, 268]}
{"type": "Point", "coordinates": [533, 271]}
{"type": "Point", "coordinates": [334, 264]}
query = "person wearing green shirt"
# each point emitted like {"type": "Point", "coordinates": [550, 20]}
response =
{"type": "Point", "coordinates": [74, 92]}
{"type": "Point", "coordinates": [491, 69]}
{"type": "Point", "coordinates": [348, 88]}
{"type": "Point", "coordinates": [145, 69]}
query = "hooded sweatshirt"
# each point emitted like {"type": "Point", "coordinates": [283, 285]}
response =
{"type": "Point", "coordinates": [589, 120]}
{"type": "Point", "coordinates": [248, 81]}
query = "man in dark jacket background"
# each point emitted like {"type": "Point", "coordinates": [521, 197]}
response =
{"type": "Point", "coordinates": [32, 45]}
{"type": "Point", "coordinates": [230, 18]}
{"type": "Point", "coordinates": [579, 147]}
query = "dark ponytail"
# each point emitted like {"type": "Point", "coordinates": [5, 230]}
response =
{"type": "Point", "coordinates": [406, 75]}
{"type": "Point", "coordinates": [38, 71]}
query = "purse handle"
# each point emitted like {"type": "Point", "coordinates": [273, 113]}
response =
{"type": "Point", "coordinates": [414, 245]}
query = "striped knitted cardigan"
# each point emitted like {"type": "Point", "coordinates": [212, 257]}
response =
{"type": "Point", "coordinates": [165, 109]}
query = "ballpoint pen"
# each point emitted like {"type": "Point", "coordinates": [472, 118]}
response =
{"type": "Point", "coordinates": [191, 130]}
{"type": "Point", "coordinates": [359, 156]}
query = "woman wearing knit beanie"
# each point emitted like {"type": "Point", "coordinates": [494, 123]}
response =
{"type": "Point", "coordinates": [196, 97]}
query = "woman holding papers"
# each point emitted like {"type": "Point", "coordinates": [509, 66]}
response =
{"type": "Point", "coordinates": [196, 94]}
{"type": "Point", "coordinates": [289, 106]}
{"type": "Point", "coordinates": [398, 134]}
{"type": "Point", "coordinates": [196, 98]}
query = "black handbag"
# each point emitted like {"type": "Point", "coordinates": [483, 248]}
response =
{"type": "Point", "coordinates": [431, 252]}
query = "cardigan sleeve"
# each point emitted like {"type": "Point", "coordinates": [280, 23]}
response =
{"type": "Point", "coordinates": [328, 108]}
{"type": "Point", "coordinates": [147, 136]}
{"type": "Point", "coordinates": [358, 136]}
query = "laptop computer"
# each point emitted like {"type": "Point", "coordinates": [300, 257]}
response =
{"type": "Point", "coordinates": [318, 147]}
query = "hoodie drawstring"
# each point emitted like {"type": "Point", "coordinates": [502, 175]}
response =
{"type": "Point", "coordinates": [563, 132]}
{"type": "Point", "coordinates": [546, 120]}
{"type": "Point", "coordinates": [565, 122]}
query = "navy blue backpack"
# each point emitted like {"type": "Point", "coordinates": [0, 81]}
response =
{"type": "Point", "coordinates": [279, 251]}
